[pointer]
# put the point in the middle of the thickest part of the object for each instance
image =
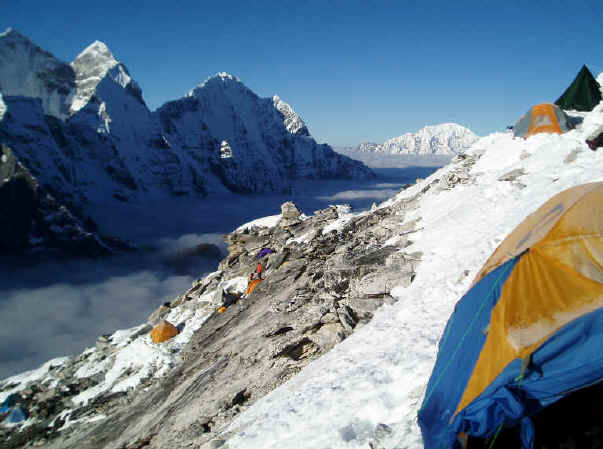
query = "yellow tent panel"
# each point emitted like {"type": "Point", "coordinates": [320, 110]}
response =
{"type": "Point", "coordinates": [558, 279]}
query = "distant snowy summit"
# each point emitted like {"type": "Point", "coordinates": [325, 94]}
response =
{"type": "Point", "coordinates": [446, 139]}
{"type": "Point", "coordinates": [85, 133]}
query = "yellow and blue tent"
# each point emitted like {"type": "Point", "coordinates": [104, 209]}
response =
{"type": "Point", "coordinates": [528, 332]}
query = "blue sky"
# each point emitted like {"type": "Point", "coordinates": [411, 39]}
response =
{"type": "Point", "coordinates": [355, 71]}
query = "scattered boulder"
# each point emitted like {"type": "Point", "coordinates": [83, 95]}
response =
{"type": "Point", "coordinates": [289, 215]}
{"type": "Point", "coordinates": [512, 175]}
{"type": "Point", "coordinates": [595, 140]}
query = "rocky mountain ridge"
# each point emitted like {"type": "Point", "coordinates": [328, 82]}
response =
{"type": "Point", "coordinates": [84, 131]}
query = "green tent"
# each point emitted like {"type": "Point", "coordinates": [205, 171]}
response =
{"type": "Point", "coordinates": [583, 94]}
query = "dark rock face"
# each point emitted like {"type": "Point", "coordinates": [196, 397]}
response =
{"type": "Point", "coordinates": [18, 200]}
{"type": "Point", "coordinates": [31, 219]}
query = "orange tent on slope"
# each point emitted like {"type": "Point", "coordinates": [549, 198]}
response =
{"type": "Point", "coordinates": [542, 118]}
{"type": "Point", "coordinates": [163, 331]}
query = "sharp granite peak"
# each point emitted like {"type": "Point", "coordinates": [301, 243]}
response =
{"type": "Point", "coordinates": [85, 133]}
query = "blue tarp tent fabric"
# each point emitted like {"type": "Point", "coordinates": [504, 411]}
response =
{"type": "Point", "coordinates": [264, 251]}
{"type": "Point", "coordinates": [452, 370]}
{"type": "Point", "coordinates": [17, 415]}
{"type": "Point", "coordinates": [10, 401]}
{"type": "Point", "coordinates": [529, 331]}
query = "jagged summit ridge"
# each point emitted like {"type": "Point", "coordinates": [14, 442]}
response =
{"type": "Point", "coordinates": [220, 80]}
{"type": "Point", "coordinates": [224, 81]}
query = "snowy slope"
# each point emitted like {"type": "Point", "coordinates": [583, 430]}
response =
{"type": "Point", "coordinates": [379, 374]}
{"type": "Point", "coordinates": [445, 139]}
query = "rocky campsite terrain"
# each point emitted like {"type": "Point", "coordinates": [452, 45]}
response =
{"type": "Point", "coordinates": [328, 273]}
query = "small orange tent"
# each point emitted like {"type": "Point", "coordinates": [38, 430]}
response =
{"type": "Point", "coordinates": [163, 331]}
{"type": "Point", "coordinates": [542, 118]}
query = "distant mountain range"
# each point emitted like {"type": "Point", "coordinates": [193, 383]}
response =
{"type": "Point", "coordinates": [84, 133]}
{"type": "Point", "coordinates": [446, 139]}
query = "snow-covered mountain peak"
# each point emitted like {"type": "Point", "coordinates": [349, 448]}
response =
{"type": "Point", "coordinates": [92, 66]}
{"type": "Point", "coordinates": [29, 71]}
{"type": "Point", "coordinates": [11, 33]}
{"type": "Point", "coordinates": [99, 52]}
{"type": "Point", "coordinates": [221, 138]}
{"type": "Point", "coordinates": [8, 31]}
{"type": "Point", "coordinates": [219, 81]}
{"type": "Point", "coordinates": [444, 139]}
{"type": "Point", "coordinates": [224, 76]}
